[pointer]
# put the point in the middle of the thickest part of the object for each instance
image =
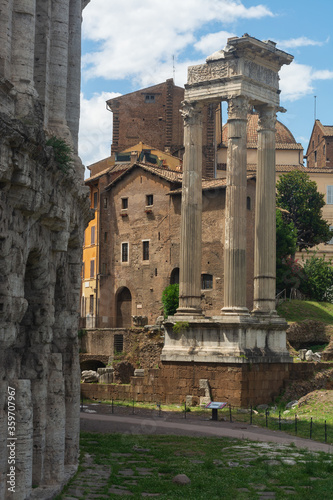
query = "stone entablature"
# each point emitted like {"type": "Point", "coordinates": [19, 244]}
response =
{"type": "Point", "coordinates": [246, 66]}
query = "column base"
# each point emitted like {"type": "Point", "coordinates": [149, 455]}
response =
{"type": "Point", "coordinates": [189, 311]}
{"type": "Point", "coordinates": [235, 311]}
{"type": "Point", "coordinates": [225, 339]}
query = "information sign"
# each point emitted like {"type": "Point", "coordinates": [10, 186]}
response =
{"type": "Point", "coordinates": [215, 405]}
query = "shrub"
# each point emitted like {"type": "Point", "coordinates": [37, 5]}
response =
{"type": "Point", "coordinates": [63, 153]}
{"type": "Point", "coordinates": [170, 299]}
{"type": "Point", "coordinates": [318, 281]}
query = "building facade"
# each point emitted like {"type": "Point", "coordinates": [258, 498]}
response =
{"type": "Point", "coordinates": [140, 238]}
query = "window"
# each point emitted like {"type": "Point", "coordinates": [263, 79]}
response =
{"type": "Point", "coordinates": [91, 304]}
{"type": "Point", "coordinates": [105, 237]}
{"type": "Point", "coordinates": [149, 200]}
{"type": "Point", "coordinates": [248, 203]}
{"type": "Point", "coordinates": [92, 238]}
{"type": "Point", "coordinates": [124, 252]}
{"type": "Point", "coordinates": [206, 281]}
{"type": "Point", "coordinates": [315, 155]}
{"type": "Point", "coordinates": [95, 199]}
{"type": "Point", "coordinates": [329, 198]}
{"type": "Point", "coordinates": [124, 203]}
{"type": "Point", "coordinates": [92, 268]}
{"type": "Point", "coordinates": [324, 151]}
{"type": "Point", "coordinates": [145, 250]}
{"type": "Point", "coordinates": [118, 342]}
{"type": "Point", "coordinates": [331, 240]}
{"type": "Point", "coordinates": [149, 98]}
{"type": "Point", "coordinates": [105, 202]}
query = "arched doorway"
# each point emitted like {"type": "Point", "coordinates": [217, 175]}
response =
{"type": "Point", "coordinates": [124, 308]}
{"type": "Point", "coordinates": [174, 276]}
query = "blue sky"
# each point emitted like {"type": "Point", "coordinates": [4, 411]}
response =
{"type": "Point", "coordinates": [131, 44]}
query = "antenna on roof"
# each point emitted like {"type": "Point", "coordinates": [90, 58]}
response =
{"type": "Point", "coordinates": [315, 107]}
{"type": "Point", "coordinates": [173, 68]}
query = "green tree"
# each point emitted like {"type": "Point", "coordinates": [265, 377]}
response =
{"type": "Point", "coordinates": [297, 194]}
{"type": "Point", "coordinates": [318, 280]}
{"type": "Point", "coordinates": [286, 238]}
{"type": "Point", "coordinates": [170, 299]}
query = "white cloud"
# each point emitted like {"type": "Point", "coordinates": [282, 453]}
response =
{"type": "Point", "coordinates": [213, 42]}
{"type": "Point", "coordinates": [95, 128]}
{"type": "Point", "coordinates": [137, 38]}
{"type": "Point", "coordinates": [297, 80]}
{"type": "Point", "coordinates": [301, 41]}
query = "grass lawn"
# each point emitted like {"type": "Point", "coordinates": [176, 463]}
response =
{"type": "Point", "coordinates": [218, 468]}
{"type": "Point", "coordinates": [299, 310]}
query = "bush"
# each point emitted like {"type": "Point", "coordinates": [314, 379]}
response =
{"type": "Point", "coordinates": [170, 299]}
{"type": "Point", "coordinates": [318, 281]}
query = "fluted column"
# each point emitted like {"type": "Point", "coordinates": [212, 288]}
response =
{"type": "Point", "coordinates": [235, 210]}
{"type": "Point", "coordinates": [191, 211]}
{"type": "Point", "coordinates": [265, 223]}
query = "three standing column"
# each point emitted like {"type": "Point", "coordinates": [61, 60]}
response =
{"type": "Point", "coordinates": [191, 213]}
{"type": "Point", "coordinates": [235, 210]}
{"type": "Point", "coordinates": [265, 217]}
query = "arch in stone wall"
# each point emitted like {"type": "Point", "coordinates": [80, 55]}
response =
{"type": "Point", "coordinates": [123, 308]}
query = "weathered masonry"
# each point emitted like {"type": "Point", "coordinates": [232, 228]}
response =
{"type": "Point", "coordinates": [245, 74]}
{"type": "Point", "coordinates": [43, 211]}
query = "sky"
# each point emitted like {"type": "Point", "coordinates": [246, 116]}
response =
{"type": "Point", "coordinates": [133, 44]}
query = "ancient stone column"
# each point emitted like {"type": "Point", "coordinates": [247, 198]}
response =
{"type": "Point", "coordinates": [59, 69]}
{"type": "Point", "coordinates": [5, 37]}
{"type": "Point", "coordinates": [22, 45]}
{"type": "Point", "coordinates": [74, 70]}
{"type": "Point", "coordinates": [191, 211]}
{"type": "Point", "coordinates": [235, 210]}
{"type": "Point", "coordinates": [42, 54]}
{"type": "Point", "coordinates": [56, 415]}
{"type": "Point", "coordinates": [265, 231]}
{"type": "Point", "coordinates": [24, 434]}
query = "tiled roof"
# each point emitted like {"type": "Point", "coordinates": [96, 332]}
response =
{"type": "Point", "coordinates": [252, 167]}
{"type": "Point", "coordinates": [211, 184]}
{"type": "Point", "coordinates": [163, 173]}
{"type": "Point", "coordinates": [118, 167]}
{"type": "Point", "coordinates": [282, 135]}
{"type": "Point", "coordinates": [328, 129]}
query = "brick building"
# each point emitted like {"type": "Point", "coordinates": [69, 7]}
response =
{"type": "Point", "coordinates": [152, 115]}
{"type": "Point", "coordinates": [139, 243]}
{"type": "Point", "coordinates": [320, 150]}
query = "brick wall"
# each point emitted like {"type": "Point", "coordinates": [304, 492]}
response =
{"type": "Point", "coordinates": [239, 385]}
{"type": "Point", "coordinates": [146, 280]}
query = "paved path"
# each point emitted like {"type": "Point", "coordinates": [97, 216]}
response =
{"type": "Point", "coordinates": [93, 422]}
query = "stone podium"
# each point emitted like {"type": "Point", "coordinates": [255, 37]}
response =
{"type": "Point", "coordinates": [245, 74]}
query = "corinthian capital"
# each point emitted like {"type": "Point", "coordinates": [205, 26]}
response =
{"type": "Point", "coordinates": [238, 108]}
{"type": "Point", "coordinates": [191, 113]}
{"type": "Point", "coordinates": [267, 117]}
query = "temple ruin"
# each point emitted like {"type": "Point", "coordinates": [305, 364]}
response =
{"type": "Point", "coordinates": [44, 209]}
{"type": "Point", "coordinates": [245, 74]}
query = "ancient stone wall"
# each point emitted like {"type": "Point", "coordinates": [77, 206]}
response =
{"type": "Point", "coordinates": [43, 213]}
{"type": "Point", "coordinates": [238, 385]}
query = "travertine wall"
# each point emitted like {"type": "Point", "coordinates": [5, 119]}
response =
{"type": "Point", "coordinates": [43, 212]}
